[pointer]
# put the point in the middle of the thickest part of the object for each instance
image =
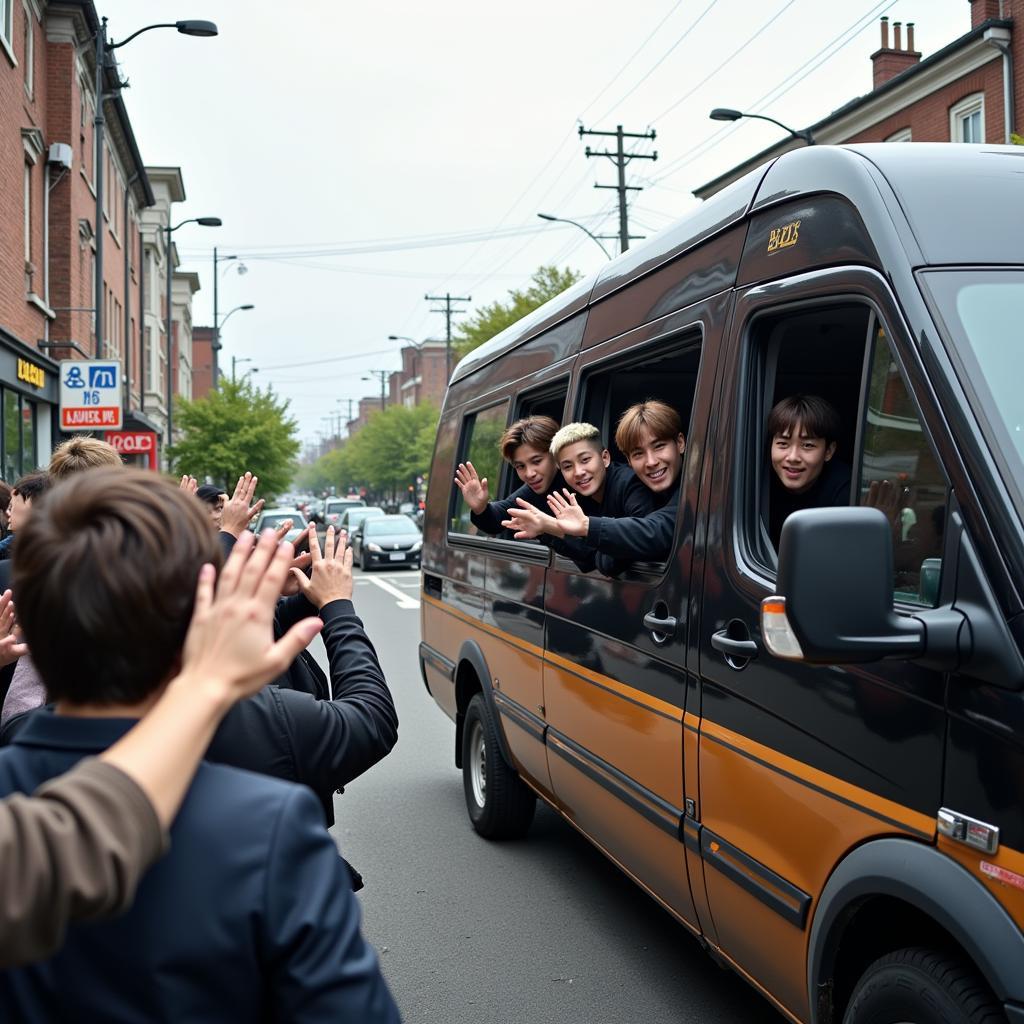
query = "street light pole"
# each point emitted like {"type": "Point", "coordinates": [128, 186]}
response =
{"type": "Point", "coordinates": [565, 220]}
{"type": "Point", "coordinates": [726, 114]}
{"type": "Point", "coordinates": [383, 375]}
{"type": "Point", "coordinates": [215, 346]}
{"type": "Point", "coordinates": [207, 222]}
{"type": "Point", "coordinates": [103, 50]}
{"type": "Point", "coordinates": [235, 360]}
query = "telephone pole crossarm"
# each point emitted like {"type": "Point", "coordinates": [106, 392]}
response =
{"type": "Point", "coordinates": [448, 299]}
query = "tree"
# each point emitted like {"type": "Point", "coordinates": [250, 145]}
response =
{"type": "Point", "coordinates": [235, 429]}
{"type": "Point", "coordinates": [486, 322]}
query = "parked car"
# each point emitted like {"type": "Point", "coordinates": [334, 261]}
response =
{"type": "Point", "coordinates": [812, 752]}
{"type": "Point", "coordinates": [352, 522]}
{"type": "Point", "coordinates": [389, 540]}
{"type": "Point", "coordinates": [272, 518]}
{"type": "Point", "coordinates": [335, 508]}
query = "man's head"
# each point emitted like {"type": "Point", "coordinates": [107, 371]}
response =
{"type": "Point", "coordinates": [526, 445]}
{"type": "Point", "coordinates": [582, 457]}
{"type": "Point", "coordinates": [81, 453]}
{"type": "Point", "coordinates": [214, 499]}
{"type": "Point", "coordinates": [803, 430]}
{"type": "Point", "coordinates": [650, 435]}
{"type": "Point", "coordinates": [106, 577]}
{"type": "Point", "coordinates": [25, 491]}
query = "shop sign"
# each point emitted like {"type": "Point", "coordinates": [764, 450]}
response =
{"type": "Point", "coordinates": [31, 374]}
{"type": "Point", "coordinates": [90, 394]}
{"type": "Point", "coordinates": [132, 443]}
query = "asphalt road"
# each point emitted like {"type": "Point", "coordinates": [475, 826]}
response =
{"type": "Point", "coordinates": [538, 931]}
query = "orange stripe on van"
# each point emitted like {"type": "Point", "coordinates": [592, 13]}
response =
{"type": "Point", "coordinates": [879, 806]}
{"type": "Point", "coordinates": [639, 696]}
{"type": "Point", "coordinates": [523, 645]}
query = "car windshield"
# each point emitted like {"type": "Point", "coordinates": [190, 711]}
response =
{"type": "Point", "coordinates": [982, 310]}
{"type": "Point", "coordinates": [357, 515]}
{"type": "Point", "coordinates": [390, 528]}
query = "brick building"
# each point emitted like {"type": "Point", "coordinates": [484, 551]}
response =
{"type": "Point", "coordinates": [48, 230]}
{"type": "Point", "coordinates": [202, 361]}
{"type": "Point", "coordinates": [971, 90]}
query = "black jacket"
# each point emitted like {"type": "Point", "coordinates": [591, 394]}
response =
{"type": "Point", "coordinates": [489, 521]}
{"type": "Point", "coordinates": [637, 538]}
{"type": "Point", "coordinates": [831, 489]}
{"type": "Point", "coordinates": [324, 744]}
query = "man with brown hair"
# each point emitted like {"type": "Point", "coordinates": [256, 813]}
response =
{"type": "Point", "coordinates": [250, 916]}
{"type": "Point", "coordinates": [81, 453]}
{"type": "Point", "coordinates": [525, 445]}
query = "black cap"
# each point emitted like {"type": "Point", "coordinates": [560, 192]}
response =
{"type": "Point", "coordinates": [208, 493]}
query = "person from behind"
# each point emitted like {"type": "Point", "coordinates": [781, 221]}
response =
{"type": "Point", "coordinates": [650, 435]}
{"type": "Point", "coordinates": [78, 847]}
{"type": "Point", "coordinates": [803, 431]}
{"type": "Point", "coordinates": [5, 500]}
{"type": "Point", "coordinates": [250, 915]}
{"type": "Point", "coordinates": [526, 447]}
{"type": "Point", "coordinates": [81, 453]}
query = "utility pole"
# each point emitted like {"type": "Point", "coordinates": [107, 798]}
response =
{"type": "Point", "coordinates": [620, 158]}
{"type": "Point", "coordinates": [383, 375]}
{"type": "Point", "coordinates": [448, 299]}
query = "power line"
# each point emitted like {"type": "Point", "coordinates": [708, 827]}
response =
{"type": "Point", "coordinates": [329, 359]}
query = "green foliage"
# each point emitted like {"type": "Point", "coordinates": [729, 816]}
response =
{"type": "Point", "coordinates": [234, 429]}
{"type": "Point", "coordinates": [385, 456]}
{"type": "Point", "coordinates": [486, 322]}
{"type": "Point", "coordinates": [1017, 140]}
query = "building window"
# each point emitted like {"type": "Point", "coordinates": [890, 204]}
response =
{"type": "Point", "coordinates": [967, 119]}
{"type": "Point", "coordinates": [903, 135]}
{"type": "Point", "coordinates": [7, 24]}
{"type": "Point", "coordinates": [28, 212]}
{"type": "Point", "coordinates": [28, 52]}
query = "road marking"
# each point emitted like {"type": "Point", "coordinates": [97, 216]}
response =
{"type": "Point", "coordinates": [404, 600]}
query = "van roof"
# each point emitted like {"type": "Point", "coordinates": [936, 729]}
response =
{"type": "Point", "coordinates": [922, 178]}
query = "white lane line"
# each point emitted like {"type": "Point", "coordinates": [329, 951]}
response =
{"type": "Point", "coordinates": [404, 600]}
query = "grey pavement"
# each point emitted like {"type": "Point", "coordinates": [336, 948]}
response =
{"type": "Point", "coordinates": [544, 930]}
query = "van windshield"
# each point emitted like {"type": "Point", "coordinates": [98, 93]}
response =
{"type": "Point", "coordinates": [984, 312]}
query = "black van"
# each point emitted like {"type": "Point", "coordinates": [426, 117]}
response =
{"type": "Point", "coordinates": [842, 820]}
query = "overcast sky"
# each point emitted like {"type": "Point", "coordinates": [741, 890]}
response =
{"type": "Point", "coordinates": [319, 130]}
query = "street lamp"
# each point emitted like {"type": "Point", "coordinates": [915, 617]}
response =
{"type": "Point", "coordinates": [247, 306]}
{"type": "Point", "coordinates": [215, 346]}
{"type": "Point", "coordinates": [565, 220]}
{"type": "Point", "coordinates": [104, 49]}
{"type": "Point", "coordinates": [206, 222]}
{"type": "Point", "coordinates": [401, 337]}
{"type": "Point", "coordinates": [383, 375]}
{"type": "Point", "coordinates": [235, 360]}
{"type": "Point", "coordinates": [725, 114]}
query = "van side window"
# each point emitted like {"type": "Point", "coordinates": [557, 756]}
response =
{"type": "Point", "coordinates": [480, 433]}
{"type": "Point", "coordinates": [900, 474]}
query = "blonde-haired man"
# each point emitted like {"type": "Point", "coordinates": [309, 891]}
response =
{"type": "Point", "coordinates": [81, 453]}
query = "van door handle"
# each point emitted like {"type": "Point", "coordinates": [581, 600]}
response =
{"type": "Point", "coordinates": [721, 641]}
{"type": "Point", "coordinates": [663, 627]}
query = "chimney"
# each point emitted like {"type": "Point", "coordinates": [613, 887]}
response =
{"type": "Point", "coordinates": [888, 62]}
{"type": "Point", "coordinates": [984, 10]}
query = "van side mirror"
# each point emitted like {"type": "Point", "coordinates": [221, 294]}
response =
{"type": "Point", "coordinates": [835, 574]}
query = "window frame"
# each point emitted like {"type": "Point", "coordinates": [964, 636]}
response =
{"type": "Point", "coordinates": [7, 29]}
{"type": "Point", "coordinates": [747, 514]}
{"type": "Point", "coordinates": [961, 111]}
{"type": "Point", "coordinates": [29, 46]}
{"type": "Point", "coordinates": [469, 417]}
{"type": "Point", "coordinates": [903, 135]}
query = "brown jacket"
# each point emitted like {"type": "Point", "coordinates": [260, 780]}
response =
{"type": "Point", "coordinates": [75, 849]}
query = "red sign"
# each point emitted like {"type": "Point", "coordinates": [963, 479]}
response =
{"type": "Point", "coordinates": [93, 416]}
{"type": "Point", "coordinates": [132, 443]}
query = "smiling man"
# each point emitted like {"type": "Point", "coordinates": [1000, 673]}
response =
{"type": "Point", "coordinates": [650, 435]}
{"type": "Point", "coordinates": [803, 432]}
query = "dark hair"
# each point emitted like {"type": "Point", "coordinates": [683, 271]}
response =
{"type": "Point", "coordinates": [818, 417]}
{"type": "Point", "coordinates": [535, 431]}
{"type": "Point", "coordinates": [31, 485]}
{"type": "Point", "coordinates": [209, 493]}
{"type": "Point", "coordinates": [106, 577]}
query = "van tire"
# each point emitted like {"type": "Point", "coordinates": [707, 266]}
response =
{"type": "Point", "coordinates": [922, 986]}
{"type": "Point", "coordinates": [499, 803]}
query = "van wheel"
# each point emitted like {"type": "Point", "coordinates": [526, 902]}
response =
{"type": "Point", "coordinates": [500, 804]}
{"type": "Point", "coordinates": [921, 986]}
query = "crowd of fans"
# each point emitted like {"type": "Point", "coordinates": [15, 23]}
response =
{"type": "Point", "coordinates": [169, 755]}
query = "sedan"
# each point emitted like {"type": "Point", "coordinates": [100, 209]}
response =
{"type": "Point", "coordinates": [390, 540]}
{"type": "Point", "coordinates": [272, 518]}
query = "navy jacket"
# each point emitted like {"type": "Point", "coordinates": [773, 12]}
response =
{"type": "Point", "coordinates": [249, 917]}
